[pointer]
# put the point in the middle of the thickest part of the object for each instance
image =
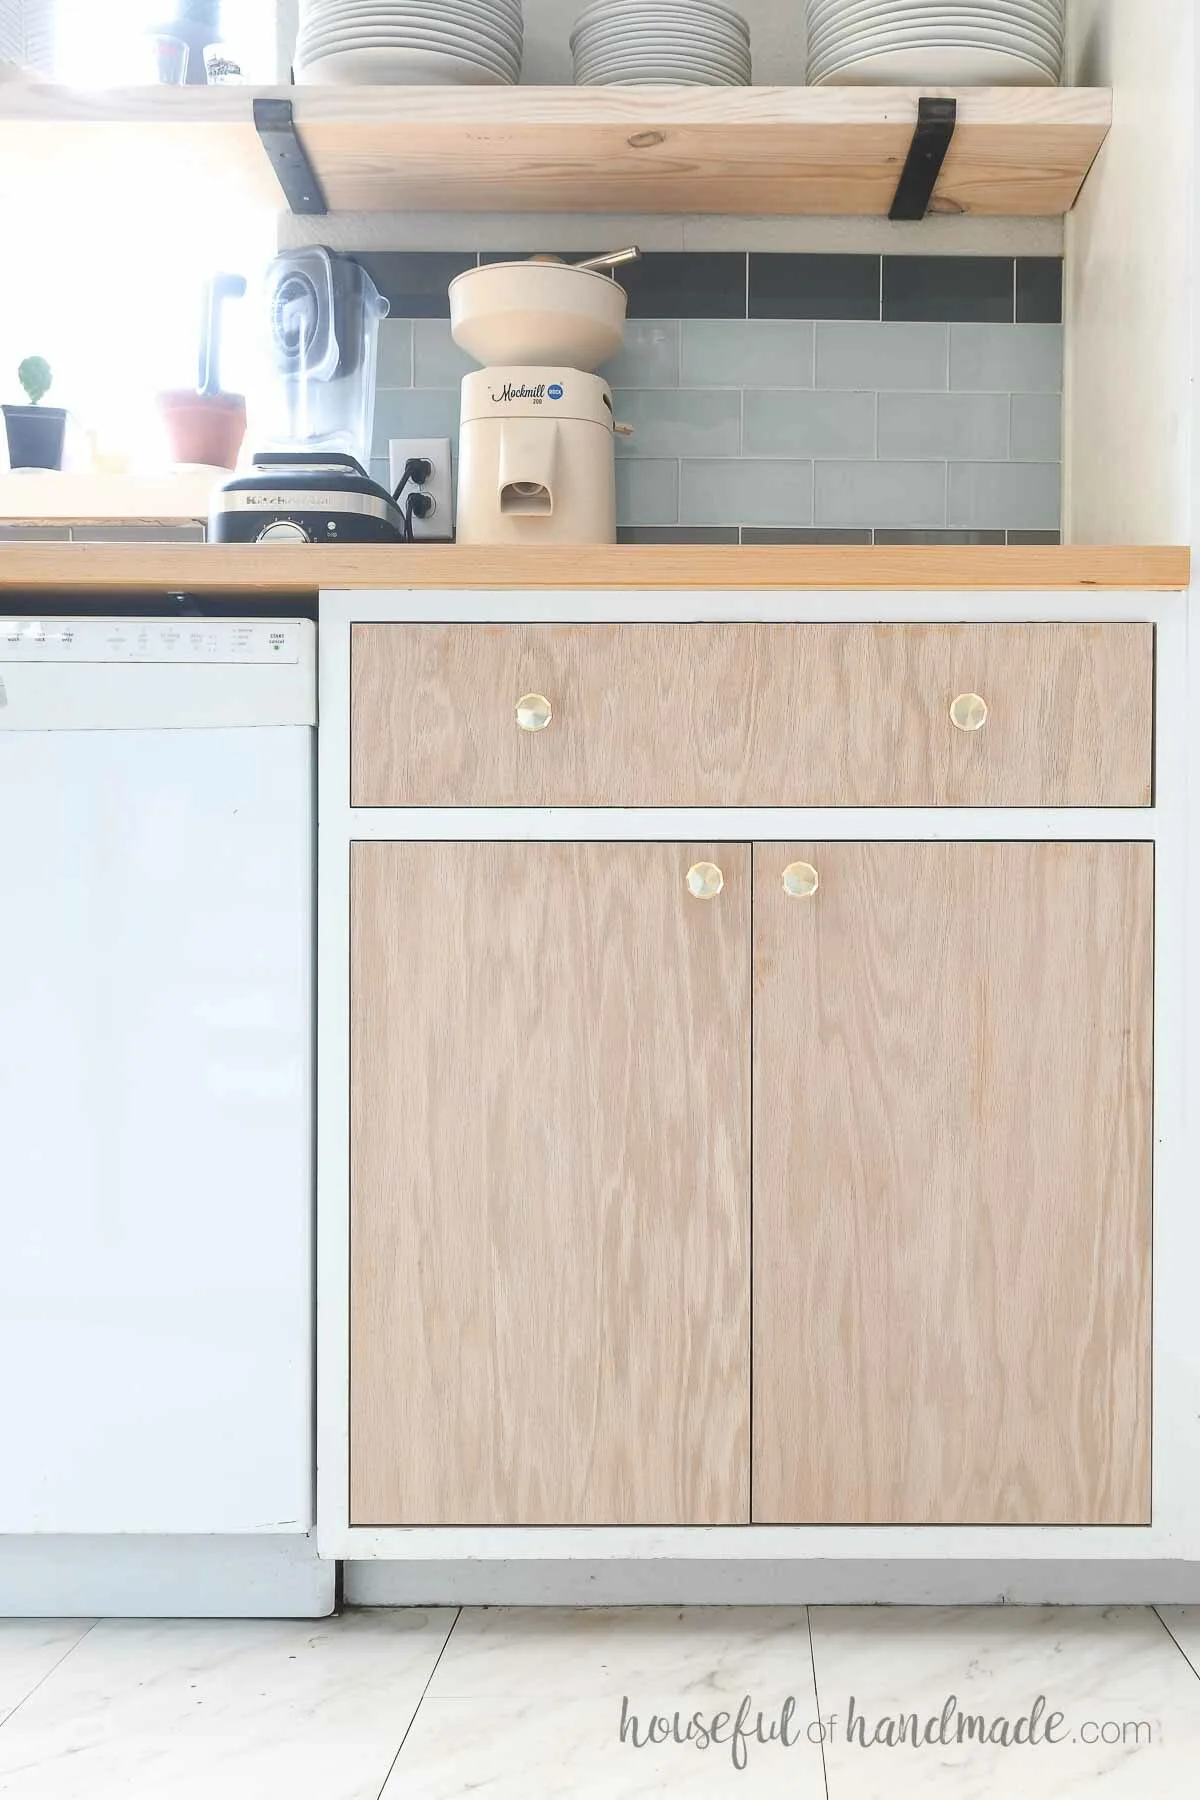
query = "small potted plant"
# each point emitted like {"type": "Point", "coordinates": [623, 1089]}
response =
{"type": "Point", "coordinates": [35, 432]}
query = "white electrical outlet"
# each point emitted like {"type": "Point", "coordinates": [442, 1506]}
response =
{"type": "Point", "coordinates": [439, 526]}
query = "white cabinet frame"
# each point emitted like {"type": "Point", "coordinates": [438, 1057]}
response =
{"type": "Point", "coordinates": [1175, 1531]}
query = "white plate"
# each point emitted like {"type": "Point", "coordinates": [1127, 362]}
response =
{"type": "Point", "coordinates": [676, 15]}
{"type": "Point", "coordinates": [653, 74]}
{"type": "Point", "coordinates": [1048, 18]}
{"type": "Point", "coordinates": [656, 81]}
{"type": "Point", "coordinates": [1046, 13]}
{"type": "Point", "coordinates": [958, 67]}
{"type": "Point", "coordinates": [443, 12]}
{"type": "Point", "coordinates": [931, 19]}
{"type": "Point", "coordinates": [943, 35]}
{"type": "Point", "coordinates": [634, 44]}
{"type": "Point", "coordinates": [507, 24]}
{"type": "Point", "coordinates": [413, 34]}
{"type": "Point", "coordinates": [631, 39]}
{"type": "Point", "coordinates": [386, 37]}
{"type": "Point", "coordinates": [918, 47]}
{"type": "Point", "coordinates": [940, 33]}
{"type": "Point", "coordinates": [398, 68]}
{"type": "Point", "coordinates": [374, 10]}
{"type": "Point", "coordinates": [662, 46]}
{"type": "Point", "coordinates": [506, 67]}
{"type": "Point", "coordinates": [663, 67]}
{"type": "Point", "coordinates": [638, 34]}
{"type": "Point", "coordinates": [936, 54]}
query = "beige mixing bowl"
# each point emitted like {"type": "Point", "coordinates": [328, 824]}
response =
{"type": "Point", "coordinates": [539, 312]}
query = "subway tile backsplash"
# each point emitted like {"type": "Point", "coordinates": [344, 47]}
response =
{"type": "Point", "coordinates": [782, 398]}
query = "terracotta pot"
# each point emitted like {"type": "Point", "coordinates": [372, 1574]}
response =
{"type": "Point", "coordinates": [204, 428]}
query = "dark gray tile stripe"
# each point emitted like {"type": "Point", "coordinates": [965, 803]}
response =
{"type": "Point", "coordinates": [724, 284]}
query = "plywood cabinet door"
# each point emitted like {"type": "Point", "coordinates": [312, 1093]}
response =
{"type": "Point", "coordinates": [550, 1179]}
{"type": "Point", "coordinates": [952, 1184]}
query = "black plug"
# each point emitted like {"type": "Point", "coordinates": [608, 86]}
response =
{"type": "Point", "coordinates": [417, 469]}
{"type": "Point", "coordinates": [417, 506]}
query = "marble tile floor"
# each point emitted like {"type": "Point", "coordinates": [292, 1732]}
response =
{"type": "Point", "coordinates": [509, 1704]}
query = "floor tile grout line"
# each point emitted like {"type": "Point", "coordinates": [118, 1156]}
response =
{"type": "Point", "coordinates": [416, 1709]}
{"type": "Point", "coordinates": [70, 1651]}
{"type": "Point", "coordinates": [812, 1657]}
{"type": "Point", "coordinates": [1187, 1659]}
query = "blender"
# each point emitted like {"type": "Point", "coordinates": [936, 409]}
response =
{"type": "Point", "coordinates": [309, 484]}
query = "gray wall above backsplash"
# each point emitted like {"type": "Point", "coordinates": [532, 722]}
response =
{"type": "Point", "coordinates": [781, 397]}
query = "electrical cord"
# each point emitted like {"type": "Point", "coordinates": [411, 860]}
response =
{"type": "Point", "coordinates": [417, 506]}
{"type": "Point", "coordinates": [417, 469]}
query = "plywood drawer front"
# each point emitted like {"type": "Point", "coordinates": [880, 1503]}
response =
{"type": "Point", "coordinates": [752, 715]}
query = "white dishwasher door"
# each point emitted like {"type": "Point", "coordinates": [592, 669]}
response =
{"type": "Point", "coordinates": [156, 1177]}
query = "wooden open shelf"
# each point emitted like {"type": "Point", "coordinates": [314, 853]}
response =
{"type": "Point", "coordinates": [1017, 151]}
{"type": "Point", "coordinates": [29, 570]}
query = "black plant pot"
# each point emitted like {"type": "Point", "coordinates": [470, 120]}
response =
{"type": "Point", "coordinates": [35, 436]}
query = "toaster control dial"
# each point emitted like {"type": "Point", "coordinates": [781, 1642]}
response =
{"type": "Point", "coordinates": [283, 531]}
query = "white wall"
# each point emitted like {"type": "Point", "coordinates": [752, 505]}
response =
{"type": "Point", "coordinates": [1130, 252]}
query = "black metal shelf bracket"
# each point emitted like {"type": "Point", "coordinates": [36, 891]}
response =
{"type": "Point", "coordinates": [276, 127]}
{"type": "Point", "coordinates": [936, 120]}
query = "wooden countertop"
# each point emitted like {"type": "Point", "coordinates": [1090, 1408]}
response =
{"type": "Point", "coordinates": [27, 570]}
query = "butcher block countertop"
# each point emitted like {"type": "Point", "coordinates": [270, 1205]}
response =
{"type": "Point", "coordinates": [27, 570]}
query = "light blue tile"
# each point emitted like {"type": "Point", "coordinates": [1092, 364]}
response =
{"type": "Point", "coordinates": [437, 360]}
{"type": "Point", "coordinates": [747, 353]}
{"type": "Point", "coordinates": [647, 491]}
{"type": "Point", "coordinates": [883, 493]}
{"type": "Point", "coordinates": [648, 357]}
{"type": "Point", "coordinates": [945, 425]}
{"type": "Point", "coordinates": [414, 412]}
{"type": "Point", "coordinates": [1008, 496]}
{"type": "Point", "coordinates": [1007, 359]}
{"type": "Point", "coordinates": [395, 353]}
{"type": "Point", "coordinates": [746, 492]}
{"type": "Point", "coordinates": [808, 424]}
{"type": "Point", "coordinates": [1037, 421]}
{"type": "Point", "coordinates": [676, 422]}
{"type": "Point", "coordinates": [883, 356]}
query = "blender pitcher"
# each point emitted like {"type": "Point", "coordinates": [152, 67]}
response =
{"type": "Point", "coordinates": [324, 312]}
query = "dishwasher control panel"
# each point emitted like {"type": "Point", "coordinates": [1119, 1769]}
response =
{"type": "Point", "coordinates": [110, 640]}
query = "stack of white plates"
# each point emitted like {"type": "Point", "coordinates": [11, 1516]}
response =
{"type": "Point", "coordinates": [426, 43]}
{"type": "Point", "coordinates": [691, 43]}
{"type": "Point", "coordinates": [948, 43]}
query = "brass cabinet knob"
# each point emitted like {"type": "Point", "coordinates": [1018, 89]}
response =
{"type": "Point", "coordinates": [968, 712]}
{"type": "Point", "coordinates": [534, 712]}
{"type": "Point", "coordinates": [800, 880]}
{"type": "Point", "coordinates": [704, 881]}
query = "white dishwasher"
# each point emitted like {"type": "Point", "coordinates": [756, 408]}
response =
{"type": "Point", "coordinates": [156, 1074]}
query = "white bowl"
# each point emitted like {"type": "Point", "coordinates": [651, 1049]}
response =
{"type": "Point", "coordinates": [528, 312]}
